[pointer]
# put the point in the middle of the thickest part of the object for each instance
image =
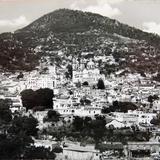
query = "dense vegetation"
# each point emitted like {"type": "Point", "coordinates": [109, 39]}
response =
{"type": "Point", "coordinates": [16, 133]}
{"type": "Point", "coordinates": [120, 107]}
{"type": "Point", "coordinates": [88, 130]}
{"type": "Point", "coordinates": [14, 56]}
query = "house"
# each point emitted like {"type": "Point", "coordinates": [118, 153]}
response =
{"type": "Point", "coordinates": [116, 124]}
{"type": "Point", "coordinates": [77, 152]}
{"type": "Point", "coordinates": [133, 117]}
{"type": "Point", "coordinates": [156, 106]}
{"type": "Point", "coordinates": [43, 81]}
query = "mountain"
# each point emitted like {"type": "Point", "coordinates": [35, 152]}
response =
{"type": "Point", "coordinates": [73, 32]}
{"type": "Point", "coordinates": [65, 20]}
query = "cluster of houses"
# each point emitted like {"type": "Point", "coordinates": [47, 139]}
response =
{"type": "Point", "coordinates": [86, 99]}
{"type": "Point", "coordinates": [131, 118]}
{"type": "Point", "coordinates": [80, 96]}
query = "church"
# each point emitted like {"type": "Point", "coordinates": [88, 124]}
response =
{"type": "Point", "coordinates": [84, 70]}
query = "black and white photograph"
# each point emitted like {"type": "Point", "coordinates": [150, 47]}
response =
{"type": "Point", "coordinates": [79, 79]}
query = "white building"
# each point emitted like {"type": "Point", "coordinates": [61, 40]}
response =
{"type": "Point", "coordinates": [116, 124]}
{"type": "Point", "coordinates": [133, 117]}
{"type": "Point", "coordinates": [156, 106]}
{"type": "Point", "coordinates": [83, 71]}
{"type": "Point", "coordinates": [43, 81]}
{"type": "Point", "coordinates": [67, 106]}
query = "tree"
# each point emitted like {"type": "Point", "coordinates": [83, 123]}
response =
{"type": "Point", "coordinates": [152, 98]}
{"type": "Point", "coordinates": [85, 83]}
{"type": "Point", "coordinates": [13, 146]}
{"type": "Point", "coordinates": [57, 149]}
{"type": "Point", "coordinates": [85, 101]}
{"type": "Point", "coordinates": [5, 112]}
{"type": "Point", "coordinates": [156, 120]}
{"type": "Point", "coordinates": [38, 153]}
{"type": "Point", "coordinates": [45, 97]}
{"type": "Point", "coordinates": [26, 125]}
{"type": "Point", "coordinates": [78, 84]}
{"type": "Point", "coordinates": [52, 116]}
{"type": "Point", "coordinates": [78, 123]}
{"type": "Point", "coordinates": [98, 128]}
{"type": "Point", "coordinates": [41, 97]}
{"type": "Point", "coordinates": [122, 106]}
{"type": "Point", "coordinates": [100, 84]}
{"type": "Point", "coordinates": [29, 98]}
{"type": "Point", "coordinates": [20, 75]}
{"type": "Point", "coordinates": [105, 110]}
{"type": "Point", "coordinates": [69, 71]}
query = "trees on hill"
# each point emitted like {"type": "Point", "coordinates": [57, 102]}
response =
{"type": "Point", "coordinates": [40, 97]}
{"type": "Point", "coordinates": [120, 107]}
{"type": "Point", "coordinates": [26, 125]}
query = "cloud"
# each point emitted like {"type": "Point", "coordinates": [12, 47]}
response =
{"type": "Point", "coordinates": [103, 7]}
{"type": "Point", "coordinates": [151, 27]}
{"type": "Point", "coordinates": [18, 22]}
{"type": "Point", "coordinates": [8, 0]}
{"type": "Point", "coordinates": [114, 1]}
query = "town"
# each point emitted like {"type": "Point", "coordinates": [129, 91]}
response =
{"type": "Point", "coordinates": [86, 113]}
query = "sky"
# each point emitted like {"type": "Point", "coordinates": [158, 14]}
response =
{"type": "Point", "coordinates": [143, 14]}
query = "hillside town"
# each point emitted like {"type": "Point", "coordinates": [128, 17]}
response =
{"type": "Point", "coordinates": [81, 82]}
{"type": "Point", "coordinates": [127, 104]}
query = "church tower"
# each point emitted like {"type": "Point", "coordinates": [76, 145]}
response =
{"type": "Point", "coordinates": [82, 64]}
{"type": "Point", "coordinates": [90, 65]}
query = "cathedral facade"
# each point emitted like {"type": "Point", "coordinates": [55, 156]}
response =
{"type": "Point", "coordinates": [84, 70]}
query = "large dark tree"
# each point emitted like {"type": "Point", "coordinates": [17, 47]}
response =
{"type": "Point", "coordinates": [29, 98]}
{"type": "Point", "coordinates": [41, 97]}
{"type": "Point", "coordinates": [100, 84]}
{"type": "Point", "coordinates": [45, 97]}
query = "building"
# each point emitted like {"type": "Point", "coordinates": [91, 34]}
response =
{"type": "Point", "coordinates": [86, 71]}
{"type": "Point", "coordinates": [77, 152]}
{"type": "Point", "coordinates": [133, 117]}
